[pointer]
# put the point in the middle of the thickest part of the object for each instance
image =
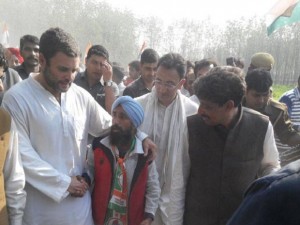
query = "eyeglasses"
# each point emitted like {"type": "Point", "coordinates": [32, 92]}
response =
{"type": "Point", "coordinates": [168, 86]}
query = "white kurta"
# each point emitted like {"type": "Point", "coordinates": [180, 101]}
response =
{"type": "Point", "coordinates": [53, 145]}
{"type": "Point", "coordinates": [14, 180]}
{"type": "Point", "coordinates": [168, 128]}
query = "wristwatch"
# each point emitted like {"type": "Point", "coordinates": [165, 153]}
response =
{"type": "Point", "coordinates": [108, 83]}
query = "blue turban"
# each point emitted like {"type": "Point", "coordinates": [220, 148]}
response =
{"type": "Point", "coordinates": [132, 108]}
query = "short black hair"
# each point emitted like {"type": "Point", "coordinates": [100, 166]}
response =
{"type": "Point", "coordinates": [98, 50]}
{"type": "Point", "coordinates": [259, 80]}
{"type": "Point", "coordinates": [56, 40]}
{"type": "Point", "coordinates": [204, 63]}
{"type": "Point", "coordinates": [28, 38]}
{"type": "Point", "coordinates": [173, 61]}
{"type": "Point", "coordinates": [118, 71]}
{"type": "Point", "coordinates": [220, 85]}
{"type": "Point", "coordinates": [135, 64]}
{"type": "Point", "coordinates": [149, 55]}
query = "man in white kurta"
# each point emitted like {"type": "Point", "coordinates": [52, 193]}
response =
{"type": "Point", "coordinates": [166, 110]}
{"type": "Point", "coordinates": [53, 140]}
{"type": "Point", "coordinates": [53, 118]}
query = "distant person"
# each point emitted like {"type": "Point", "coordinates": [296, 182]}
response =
{"type": "Point", "coordinates": [257, 97]}
{"type": "Point", "coordinates": [262, 60]}
{"type": "Point", "coordinates": [134, 72]}
{"type": "Point", "coordinates": [189, 77]}
{"type": "Point", "coordinates": [144, 83]}
{"type": "Point", "coordinates": [8, 76]}
{"type": "Point", "coordinates": [273, 199]}
{"type": "Point", "coordinates": [97, 78]}
{"type": "Point", "coordinates": [166, 110]}
{"type": "Point", "coordinates": [236, 62]}
{"type": "Point", "coordinates": [229, 147]}
{"type": "Point", "coordinates": [53, 118]}
{"type": "Point", "coordinates": [202, 67]}
{"type": "Point", "coordinates": [29, 49]}
{"type": "Point", "coordinates": [13, 57]}
{"type": "Point", "coordinates": [126, 185]}
{"type": "Point", "coordinates": [118, 76]}
{"type": "Point", "coordinates": [12, 182]}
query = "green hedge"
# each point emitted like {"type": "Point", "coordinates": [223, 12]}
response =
{"type": "Point", "coordinates": [278, 90]}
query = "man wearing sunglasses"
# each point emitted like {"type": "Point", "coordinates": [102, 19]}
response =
{"type": "Point", "coordinates": [166, 110]}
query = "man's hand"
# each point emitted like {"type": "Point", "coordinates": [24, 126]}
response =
{"type": "Point", "coordinates": [147, 221]}
{"type": "Point", "coordinates": [107, 71]}
{"type": "Point", "coordinates": [78, 186]}
{"type": "Point", "coordinates": [150, 149]}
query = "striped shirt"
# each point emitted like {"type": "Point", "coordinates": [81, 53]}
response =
{"type": "Point", "coordinates": [292, 100]}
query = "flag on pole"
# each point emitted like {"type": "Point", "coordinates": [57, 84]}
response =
{"type": "Point", "coordinates": [5, 36]}
{"type": "Point", "coordinates": [87, 48]}
{"type": "Point", "coordinates": [142, 49]}
{"type": "Point", "coordinates": [284, 12]}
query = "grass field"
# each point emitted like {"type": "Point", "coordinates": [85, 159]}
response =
{"type": "Point", "coordinates": [278, 90]}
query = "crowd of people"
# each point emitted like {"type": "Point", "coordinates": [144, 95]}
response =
{"type": "Point", "coordinates": [171, 142]}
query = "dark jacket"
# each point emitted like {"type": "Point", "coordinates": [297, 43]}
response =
{"type": "Point", "coordinates": [21, 71]}
{"type": "Point", "coordinates": [273, 199]}
{"type": "Point", "coordinates": [222, 168]}
{"type": "Point", "coordinates": [136, 88]}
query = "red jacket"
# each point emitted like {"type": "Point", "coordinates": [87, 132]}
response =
{"type": "Point", "coordinates": [104, 162]}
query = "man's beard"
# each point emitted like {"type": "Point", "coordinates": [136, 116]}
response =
{"type": "Point", "coordinates": [120, 137]}
{"type": "Point", "coordinates": [51, 82]}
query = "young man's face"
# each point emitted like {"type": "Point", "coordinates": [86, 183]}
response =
{"type": "Point", "coordinates": [133, 73]}
{"type": "Point", "coordinates": [122, 129]}
{"type": "Point", "coordinates": [148, 71]}
{"type": "Point", "coordinates": [203, 71]}
{"type": "Point", "coordinates": [94, 66]}
{"type": "Point", "coordinates": [257, 100]}
{"type": "Point", "coordinates": [30, 54]}
{"type": "Point", "coordinates": [167, 82]}
{"type": "Point", "coordinates": [190, 78]}
{"type": "Point", "coordinates": [60, 72]}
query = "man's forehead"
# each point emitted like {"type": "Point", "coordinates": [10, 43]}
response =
{"type": "Point", "coordinates": [148, 65]}
{"type": "Point", "coordinates": [167, 73]}
{"type": "Point", "coordinates": [97, 58]}
{"type": "Point", "coordinates": [253, 91]}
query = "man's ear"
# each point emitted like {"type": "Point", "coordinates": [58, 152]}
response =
{"type": "Point", "coordinates": [42, 60]}
{"type": "Point", "coordinates": [229, 105]}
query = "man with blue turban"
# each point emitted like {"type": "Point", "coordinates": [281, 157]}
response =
{"type": "Point", "coordinates": [126, 186]}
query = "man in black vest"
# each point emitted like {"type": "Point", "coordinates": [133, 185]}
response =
{"type": "Point", "coordinates": [229, 147]}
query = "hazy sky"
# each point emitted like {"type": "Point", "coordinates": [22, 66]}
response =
{"type": "Point", "coordinates": [218, 10]}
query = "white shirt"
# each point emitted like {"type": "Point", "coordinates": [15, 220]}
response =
{"type": "Point", "coordinates": [195, 99]}
{"type": "Point", "coordinates": [270, 162]}
{"type": "Point", "coordinates": [53, 145]}
{"type": "Point", "coordinates": [14, 180]}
